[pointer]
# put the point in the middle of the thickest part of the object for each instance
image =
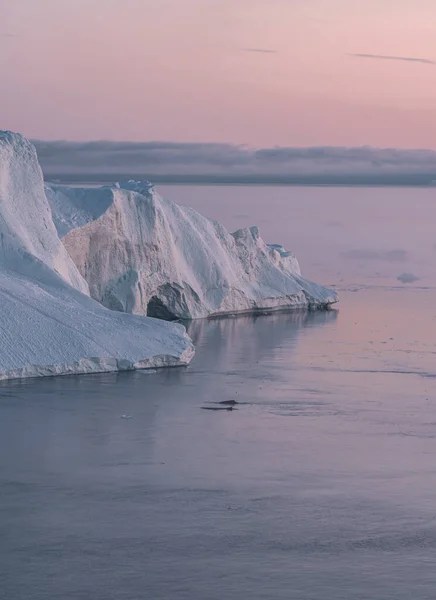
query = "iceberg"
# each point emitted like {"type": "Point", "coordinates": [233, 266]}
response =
{"type": "Point", "coordinates": [140, 253]}
{"type": "Point", "coordinates": [82, 270]}
{"type": "Point", "coordinates": [49, 324]}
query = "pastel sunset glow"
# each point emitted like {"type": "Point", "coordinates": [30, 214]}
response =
{"type": "Point", "coordinates": [256, 72]}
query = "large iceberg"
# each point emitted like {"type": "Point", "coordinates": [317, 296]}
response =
{"type": "Point", "coordinates": [48, 323]}
{"type": "Point", "coordinates": [142, 254]}
{"type": "Point", "coordinates": [74, 261]}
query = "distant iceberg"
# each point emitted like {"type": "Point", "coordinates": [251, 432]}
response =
{"type": "Point", "coordinates": [142, 254]}
{"type": "Point", "coordinates": [48, 323]}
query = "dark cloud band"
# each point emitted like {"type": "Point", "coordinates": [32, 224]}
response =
{"type": "Point", "coordinates": [170, 161]}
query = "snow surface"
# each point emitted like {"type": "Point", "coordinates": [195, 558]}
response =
{"type": "Point", "coordinates": [142, 254]}
{"type": "Point", "coordinates": [48, 323]}
{"type": "Point", "coordinates": [28, 234]}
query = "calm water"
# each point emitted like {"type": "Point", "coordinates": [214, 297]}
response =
{"type": "Point", "coordinates": [321, 486]}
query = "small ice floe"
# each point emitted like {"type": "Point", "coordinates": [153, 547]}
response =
{"type": "Point", "coordinates": [146, 371]}
{"type": "Point", "coordinates": [407, 278]}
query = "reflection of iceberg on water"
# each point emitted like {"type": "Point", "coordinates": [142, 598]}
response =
{"type": "Point", "coordinates": [250, 338]}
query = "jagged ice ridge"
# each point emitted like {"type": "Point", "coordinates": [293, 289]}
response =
{"type": "Point", "coordinates": [142, 254]}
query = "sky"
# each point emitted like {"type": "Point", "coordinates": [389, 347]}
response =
{"type": "Point", "coordinates": [257, 72]}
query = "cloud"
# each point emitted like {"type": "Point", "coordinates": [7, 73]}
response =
{"type": "Point", "coordinates": [425, 61]}
{"type": "Point", "coordinates": [386, 255]}
{"type": "Point", "coordinates": [407, 278]}
{"type": "Point", "coordinates": [263, 50]}
{"type": "Point", "coordinates": [226, 163]}
{"type": "Point", "coordinates": [8, 35]}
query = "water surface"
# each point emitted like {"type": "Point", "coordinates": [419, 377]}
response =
{"type": "Point", "coordinates": [320, 486]}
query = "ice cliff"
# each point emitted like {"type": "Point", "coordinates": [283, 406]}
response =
{"type": "Point", "coordinates": [142, 254]}
{"type": "Point", "coordinates": [48, 323]}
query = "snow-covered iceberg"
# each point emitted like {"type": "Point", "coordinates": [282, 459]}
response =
{"type": "Point", "coordinates": [142, 254]}
{"type": "Point", "coordinates": [48, 323]}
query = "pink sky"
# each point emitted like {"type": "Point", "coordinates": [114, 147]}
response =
{"type": "Point", "coordinates": [179, 70]}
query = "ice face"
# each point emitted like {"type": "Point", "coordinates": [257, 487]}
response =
{"type": "Point", "coordinates": [142, 254]}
